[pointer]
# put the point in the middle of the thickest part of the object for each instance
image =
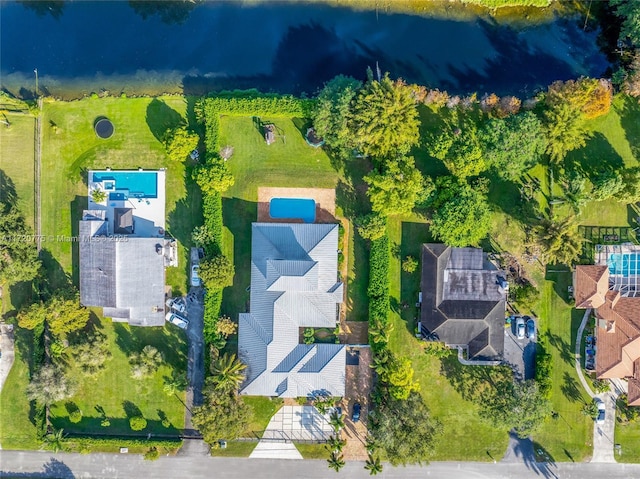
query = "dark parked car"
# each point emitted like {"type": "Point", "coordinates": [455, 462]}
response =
{"type": "Point", "coordinates": [355, 416]}
{"type": "Point", "coordinates": [530, 327]}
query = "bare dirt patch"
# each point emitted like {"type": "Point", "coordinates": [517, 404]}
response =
{"type": "Point", "coordinates": [354, 332]}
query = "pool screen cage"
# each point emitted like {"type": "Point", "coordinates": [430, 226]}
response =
{"type": "Point", "coordinates": [624, 267]}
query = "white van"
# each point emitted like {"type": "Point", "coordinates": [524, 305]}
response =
{"type": "Point", "coordinates": [179, 321]}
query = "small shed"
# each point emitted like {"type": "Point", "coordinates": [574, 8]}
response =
{"type": "Point", "coordinates": [269, 133]}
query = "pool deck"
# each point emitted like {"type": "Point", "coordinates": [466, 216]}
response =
{"type": "Point", "coordinates": [325, 199]}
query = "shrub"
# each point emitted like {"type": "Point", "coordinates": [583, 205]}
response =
{"type": "Point", "coordinates": [212, 302]}
{"type": "Point", "coordinates": [166, 423]}
{"type": "Point", "coordinates": [410, 265]}
{"type": "Point", "coordinates": [152, 454]}
{"type": "Point", "coordinates": [371, 226]}
{"type": "Point", "coordinates": [226, 327]}
{"type": "Point", "coordinates": [137, 423]}
{"type": "Point", "coordinates": [544, 368]}
{"type": "Point", "coordinates": [105, 422]}
{"type": "Point", "coordinates": [180, 142]}
{"type": "Point", "coordinates": [217, 272]}
{"type": "Point", "coordinates": [379, 268]}
{"type": "Point", "coordinates": [75, 416]}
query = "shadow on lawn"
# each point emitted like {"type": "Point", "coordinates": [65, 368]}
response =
{"type": "Point", "coordinates": [630, 120]}
{"type": "Point", "coordinates": [570, 388]}
{"type": "Point", "coordinates": [414, 235]}
{"type": "Point", "coordinates": [171, 344]}
{"type": "Point", "coordinates": [77, 205]}
{"type": "Point", "coordinates": [595, 158]}
{"type": "Point", "coordinates": [161, 117]}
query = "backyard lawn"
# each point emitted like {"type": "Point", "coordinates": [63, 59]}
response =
{"type": "Point", "coordinates": [113, 391]}
{"type": "Point", "coordinates": [628, 436]}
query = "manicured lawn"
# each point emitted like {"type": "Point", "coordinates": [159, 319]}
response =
{"type": "Point", "coordinates": [16, 429]}
{"type": "Point", "coordinates": [312, 450]}
{"type": "Point", "coordinates": [17, 161]}
{"type": "Point", "coordinates": [560, 322]}
{"type": "Point", "coordinates": [235, 449]}
{"type": "Point", "coordinates": [118, 394]}
{"type": "Point", "coordinates": [263, 409]}
{"type": "Point", "coordinates": [71, 147]}
{"type": "Point", "coordinates": [628, 436]}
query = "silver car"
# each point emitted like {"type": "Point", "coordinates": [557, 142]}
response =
{"type": "Point", "coordinates": [179, 321]}
{"type": "Point", "coordinates": [520, 329]}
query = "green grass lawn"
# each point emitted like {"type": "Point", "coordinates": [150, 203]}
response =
{"type": "Point", "coordinates": [312, 450]}
{"type": "Point", "coordinates": [16, 429]}
{"type": "Point", "coordinates": [235, 449]}
{"type": "Point", "coordinates": [117, 393]}
{"type": "Point", "coordinates": [628, 436]}
{"type": "Point", "coordinates": [17, 161]}
{"type": "Point", "coordinates": [263, 409]}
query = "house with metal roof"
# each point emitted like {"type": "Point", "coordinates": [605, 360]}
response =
{"type": "Point", "coordinates": [293, 285]}
{"type": "Point", "coordinates": [123, 251]}
{"type": "Point", "coordinates": [463, 301]}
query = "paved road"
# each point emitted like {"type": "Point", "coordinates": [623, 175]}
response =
{"type": "Point", "coordinates": [15, 464]}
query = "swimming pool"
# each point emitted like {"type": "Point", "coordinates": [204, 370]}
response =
{"type": "Point", "coordinates": [624, 264]}
{"type": "Point", "coordinates": [125, 184]}
{"type": "Point", "coordinates": [293, 208]}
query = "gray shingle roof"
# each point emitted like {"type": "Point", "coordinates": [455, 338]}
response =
{"type": "Point", "coordinates": [293, 284]}
{"type": "Point", "coordinates": [461, 302]}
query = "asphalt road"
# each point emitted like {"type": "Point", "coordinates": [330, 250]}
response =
{"type": "Point", "coordinates": [15, 464]}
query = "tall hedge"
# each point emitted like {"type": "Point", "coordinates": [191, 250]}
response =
{"type": "Point", "coordinates": [378, 290]}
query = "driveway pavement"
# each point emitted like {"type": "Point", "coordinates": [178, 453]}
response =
{"type": "Point", "coordinates": [6, 349]}
{"type": "Point", "coordinates": [520, 353]}
{"type": "Point", "coordinates": [603, 442]}
{"type": "Point", "coordinates": [195, 361]}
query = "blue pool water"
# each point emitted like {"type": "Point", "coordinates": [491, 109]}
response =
{"type": "Point", "coordinates": [625, 264]}
{"type": "Point", "coordinates": [125, 184]}
{"type": "Point", "coordinates": [293, 208]}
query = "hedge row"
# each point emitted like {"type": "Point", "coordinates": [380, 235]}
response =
{"type": "Point", "coordinates": [378, 290]}
{"type": "Point", "coordinates": [250, 103]}
{"type": "Point", "coordinates": [544, 368]}
{"type": "Point", "coordinates": [87, 442]}
{"type": "Point", "coordinates": [212, 303]}
{"type": "Point", "coordinates": [212, 211]}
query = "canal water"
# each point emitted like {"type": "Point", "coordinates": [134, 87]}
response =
{"type": "Point", "coordinates": [83, 47]}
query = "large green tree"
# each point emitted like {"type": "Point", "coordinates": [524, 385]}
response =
{"type": "Point", "coordinates": [62, 313]}
{"type": "Point", "coordinates": [630, 191]}
{"type": "Point", "coordinates": [518, 405]}
{"type": "Point", "coordinates": [217, 272]}
{"type": "Point", "coordinates": [92, 353]}
{"type": "Point", "coordinates": [396, 188]}
{"type": "Point", "coordinates": [514, 144]}
{"type": "Point", "coordinates": [18, 255]}
{"type": "Point", "coordinates": [629, 11]}
{"type": "Point", "coordinates": [180, 142]}
{"type": "Point", "coordinates": [397, 376]}
{"type": "Point", "coordinates": [560, 241]}
{"type": "Point", "coordinates": [385, 120]}
{"type": "Point", "coordinates": [228, 372]}
{"type": "Point", "coordinates": [145, 362]}
{"type": "Point", "coordinates": [461, 215]}
{"type": "Point", "coordinates": [49, 384]}
{"type": "Point", "coordinates": [332, 114]}
{"type": "Point", "coordinates": [213, 176]}
{"type": "Point", "coordinates": [222, 416]}
{"type": "Point", "coordinates": [566, 131]}
{"type": "Point", "coordinates": [405, 430]}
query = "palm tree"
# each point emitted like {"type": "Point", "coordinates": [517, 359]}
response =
{"type": "Point", "coordinates": [373, 465]}
{"type": "Point", "coordinates": [55, 440]}
{"type": "Point", "coordinates": [336, 444]}
{"type": "Point", "coordinates": [371, 444]}
{"type": "Point", "coordinates": [174, 384]}
{"type": "Point", "coordinates": [336, 421]}
{"type": "Point", "coordinates": [336, 461]}
{"type": "Point", "coordinates": [560, 240]}
{"type": "Point", "coordinates": [228, 372]}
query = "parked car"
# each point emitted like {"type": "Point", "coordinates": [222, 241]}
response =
{"type": "Point", "coordinates": [176, 303]}
{"type": "Point", "coordinates": [195, 279]}
{"type": "Point", "coordinates": [520, 329]}
{"type": "Point", "coordinates": [355, 415]}
{"type": "Point", "coordinates": [531, 328]}
{"type": "Point", "coordinates": [176, 319]}
{"type": "Point", "coordinates": [601, 412]}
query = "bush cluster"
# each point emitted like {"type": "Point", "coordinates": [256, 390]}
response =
{"type": "Point", "coordinates": [544, 367]}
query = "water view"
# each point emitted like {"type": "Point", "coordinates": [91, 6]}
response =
{"type": "Point", "coordinates": [80, 47]}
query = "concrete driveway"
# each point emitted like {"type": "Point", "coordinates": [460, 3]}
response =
{"type": "Point", "coordinates": [603, 441]}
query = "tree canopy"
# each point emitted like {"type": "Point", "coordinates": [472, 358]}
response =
{"type": "Point", "coordinates": [49, 385]}
{"type": "Point", "coordinates": [461, 215]}
{"type": "Point", "coordinates": [405, 430]}
{"type": "Point", "coordinates": [560, 241]}
{"type": "Point", "coordinates": [371, 226]}
{"type": "Point", "coordinates": [332, 114]}
{"type": "Point", "coordinates": [514, 144]}
{"type": "Point", "coordinates": [18, 255]}
{"type": "Point", "coordinates": [629, 11]}
{"type": "Point", "coordinates": [384, 121]}
{"type": "Point", "coordinates": [217, 272]}
{"type": "Point", "coordinates": [222, 416]}
{"type": "Point", "coordinates": [396, 188]}
{"type": "Point", "coordinates": [213, 176]}
{"type": "Point", "coordinates": [566, 131]}
{"type": "Point", "coordinates": [180, 142]}
{"type": "Point", "coordinates": [62, 313]}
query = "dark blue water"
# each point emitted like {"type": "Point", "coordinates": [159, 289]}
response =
{"type": "Point", "coordinates": [286, 48]}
